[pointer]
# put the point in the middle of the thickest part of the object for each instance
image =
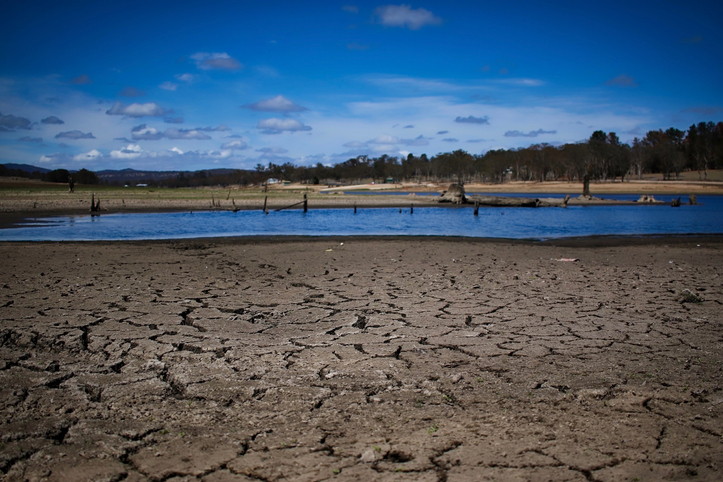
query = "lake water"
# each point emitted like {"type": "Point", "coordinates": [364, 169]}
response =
{"type": "Point", "coordinates": [516, 223]}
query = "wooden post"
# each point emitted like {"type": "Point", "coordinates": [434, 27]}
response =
{"type": "Point", "coordinates": [354, 208]}
{"type": "Point", "coordinates": [265, 199]}
{"type": "Point", "coordinates": [476, 208]}
{"type": "Point", "coordinates": [411, 209]}
{"type": "Point", "coordinates": [305, 204]}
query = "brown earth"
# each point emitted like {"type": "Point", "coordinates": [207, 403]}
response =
{"type": "Point", "coordinates": [376, 359]}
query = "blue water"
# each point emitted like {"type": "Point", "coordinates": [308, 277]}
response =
{"type": "Point", "coordinates": [518, 223]}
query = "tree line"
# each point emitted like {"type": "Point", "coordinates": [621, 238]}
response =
{"type": "Point", "coordinates": [602, 157]}
{"type": "Point", "coordinates": [82, 176]}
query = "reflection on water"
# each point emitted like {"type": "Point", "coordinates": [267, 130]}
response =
{"type": "Point", "coordinates": [519, 223]}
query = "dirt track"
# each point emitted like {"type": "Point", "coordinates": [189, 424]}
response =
{"type": "Point", "coordinates": [417, 359]}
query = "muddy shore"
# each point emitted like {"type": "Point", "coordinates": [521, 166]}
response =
{"type": "Point", "coordinates": [362, 359]}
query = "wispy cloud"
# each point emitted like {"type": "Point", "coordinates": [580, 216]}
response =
{"type": "Point", "coordinates": [692, 40]}
{"type": "Point", "coordinates": [704, 109]}
{"type": "Point", "coordinates": [450, 139]}
{"type": "Point", "coordinates": [131, 92]}
{"type": "Point", "coordinates": [277, 126]}
{"type": "Point", "coordinates": [185, 134]}
{"type": "Point", "coordinates": [82, 80]}
{"type": "Point", "coordinates": [168, 86]}
{"type": "Point", "coordinates": [278, 104]}
{"type": "Point", "coordinates": [350, 8]}
{"type": "Point", "coordinates": [405, 16]}
{"type": "Point", "coordinates": [622, 80]}
{"type": "Point", "coordinates": [150, 109]}
{"type": "Point", "coordinates": [235, 144]}
{"type": "Point", "coordinates": [272, 150]}
{"type": "Point", "coordinates": [356, 46]}
{"type": "Point", "coordinates": [145, 133]}
{"type": "Point", "coordinates": [188, 78]}
{"type": "Point", "coordinates": [75, 135]}
{"type": "Point", "coordinates": [218, 61]}
{"type": "Point", "coordinates": [472, 120]}
{"type": "Point", "coordinates": [520, 82]}
{"type": "Point", "coordinates": [35, 140]}
{"type": "Point", "coordinates": [528, 134]}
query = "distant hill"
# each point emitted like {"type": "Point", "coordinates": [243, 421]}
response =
{"type": "Point", "coordinates": [26, 167]}
{"type": "Point", "coordinates": [131, 175]}
{"type": "Point", "coordinates": [126, 175]}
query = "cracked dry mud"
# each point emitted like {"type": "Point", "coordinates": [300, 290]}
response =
{"type": "Point", "coordinates": [399, 359]}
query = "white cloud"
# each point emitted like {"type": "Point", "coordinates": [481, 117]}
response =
{"type": "Point", "coordinates": [168, 86]}
{"type": "Point", "coordinates": [57, 158]}
{"type": "Point", "coordinates": [384, 139]}
{"type": "Point", "coordinates": [406, 16]}
{"type": "Point", "coordinates": [355, 144]}
{"type": "Point", "coordinates": [185, 134]}
{"type": "Point", "coordinates": [131, 151]}
{"type": "Point", "coordinates": [88, 156]}
{"type": "Point", "coordinates": [150, 109]}
{"type": "Point", "coordinates": [146, 133]}
{"type": "Point", "coordinates": [219, 61]}
{"type": "Point", "coordinates": [235, 144]}
{"type": "Point", "coordinates": [277, 126]}
{"type": "Point", "coordinates": [188, 78]}
{"type": "Point", "coordinates": [275, 104]}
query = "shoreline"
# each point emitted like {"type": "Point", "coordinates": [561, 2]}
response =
{"type": "Point", "coordinates": [594, 241]}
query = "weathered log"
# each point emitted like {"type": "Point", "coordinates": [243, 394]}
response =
{"type": "Point", "coordinates": [692, 200]}
{"type": "Point", "coordinates": [499, 201]}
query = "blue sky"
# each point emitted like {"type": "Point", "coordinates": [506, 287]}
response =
{"type": "Point", "coordinates": [196, 85]}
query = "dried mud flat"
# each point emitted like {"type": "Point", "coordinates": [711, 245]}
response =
{"type": "Point", "coordinates": [393, 359]}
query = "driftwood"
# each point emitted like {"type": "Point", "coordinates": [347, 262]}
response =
{"type": "Point", "coordinates": [692, 200]}
{"type": "Point", "coordinates": [517, 202]}
{"type": "Point", "coordinates": [499, 201]}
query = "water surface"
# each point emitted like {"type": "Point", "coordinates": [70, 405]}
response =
{"type": "Point", "coordinates": [516, 223]}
